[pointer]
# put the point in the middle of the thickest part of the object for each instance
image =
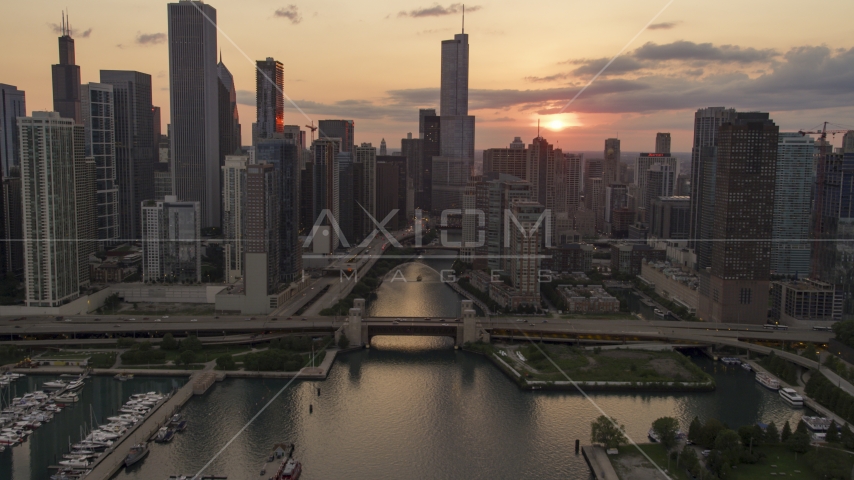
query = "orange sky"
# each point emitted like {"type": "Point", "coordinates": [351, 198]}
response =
{"type": "Point", "coordinates": [378, 62]}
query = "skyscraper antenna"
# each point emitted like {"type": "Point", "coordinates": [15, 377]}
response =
{"type": "Point", "coordinates": [464, 18]}
{"type": "Point", "coordinates": [62, 26]}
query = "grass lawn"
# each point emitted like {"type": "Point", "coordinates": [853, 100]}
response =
{"type": "Point", "coordinates": [210, 353]}
{"type": "Point", "coordinates": [102, 360]}
{"type": "Point", "coordinates": [785, 461]}
{"type": "Point", "coordinates": [66, 355]}
{"type": "Point", "coordinates": [629, 460]}
{"type": "Point", "coordinates": [620, 365]}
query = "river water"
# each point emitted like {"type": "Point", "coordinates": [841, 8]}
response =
{"type": "Point", "coordinates": [409, 407]}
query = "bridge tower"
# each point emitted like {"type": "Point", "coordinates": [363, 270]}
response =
{"type": "Point", "coordinates": [354, 323]}
{"type": "Point", "coordinates": [469, 322]}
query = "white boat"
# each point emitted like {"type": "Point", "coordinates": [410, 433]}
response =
{"type": "Point", "coordinates": [747, 367]}
{"type": "Point", "coordinates": [75, 385]}
{"type": "Point", "coordinates": [792, 397]}
{"type": "Point", "coordinates": [124, 419]}
{"type": "Point", "coordinates": [7, 440]}
{"type": "Point", "coordinates": [54, 385]}
{"type": "Point", "coordinates": [766, 381]}
{"type": "Point", "coordinates": [69, 397]}
{"type": "Point", "coordinates": [76, 463]}
{"type": "Point", "coordinates": [817, 424]}
{"type": "Point", "coordinates": [658, 313]}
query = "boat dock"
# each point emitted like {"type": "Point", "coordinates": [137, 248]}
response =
{"type": "Point", "coordinates": [599, 463]}
{"type": "Point", "coordinates": [114, 459]}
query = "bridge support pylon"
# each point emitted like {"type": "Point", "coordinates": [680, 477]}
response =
{"type": "Point", "coordinates": [353, 330]}
{"type": "Point", "coordinates": [469, 323]}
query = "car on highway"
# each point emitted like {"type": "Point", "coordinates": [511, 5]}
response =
{"type": "Point", "coordinates": [520, 320]}
{"type": "Point", "coordinates": [17, 326]}
{"type": "Point", "coordinates": [131, 319]}
{"type": "Point", "coordinates": [426, 319]}
{"type": "Point", "coordinates": [444, 324]}
{"type": "Point", "coordinates": [304, 319]}
{"type": "Point", "coordinates": [67, 320]}
{"type": "Point", "coordinates": [156, 319]}
{"type": "Point", "coordinates": [194, 320]}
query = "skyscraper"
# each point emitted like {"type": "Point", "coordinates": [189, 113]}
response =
{"type": "Point", "coordinates": [12, 106]}
{"type": "Point", "coordinates": [736, 287]}
{"type": "Point", "coordinates": [430, 149]}
{"type": "Point", "coordinates": [233, 218]}
{"type": "Point", "coordinates": [193, 91]}
{"type": "Point", "coordinates": [611, 161]}
{"type": "Point", "coordinates": [383, 148]}
{"type": "Point", "coordinates": [135, 154]}
{"type": "Point", "coordinates": [269, 97]}
{"type": "Point", "coordinates": [66, 78]}
{"type": "Point", "coordinates": [451, 170]}
{"type": "Point", "coordinates": [662, 143]}
{"type": "Point", "coordinates": [413, 150]}
{"type": "Point", "coordinates": [541, 170]}
{"type": "Point", "coordinates": [262, 230]}
{"type": "Point", "coordinates": [51, 270]}
{"type": "Point", "coordinates": [790, 250]}
{"type": "Point", "coordinates": [391, 190]}
{"type": "Point", "coordinates": [229, 120]}
{"type": "Point", "coordinates": [325, 186]}
{"type": "Point", "coordinates": [366, 156]}
{"type": "Point", "coordinates": [99, 126]}
{"type": "Point", "coordinates": [422, 113]}
{"type": "Point", "coordinates": [524, 254]}
{"type": "Point", "coordinates": [512, 161]}
{"type": "Point", "coordinates": [171, 241]}
{"type": "Point", "coordinates": [568, 182]}
{"type": "Point", "coordinates": [660, 179]}
{"type": "Point", "coordinates": [706, 123]}
{"type": "Point", "coordinates": [284, 155]}
{"type": "Point", "coordinates": [343, 129]}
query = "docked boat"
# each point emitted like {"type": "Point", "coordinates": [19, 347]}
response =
{"type": "Point", "coordinates": [766, 381]}
{"type": "Point", "coordinates": [164, 435]}
{"type": "Point", "coordinates": [653, 436]}
{"type": "Point", "coordinates": [747, 367]}
{"type": "Point", "coordinates": [791, 397]}
{"type": "Point", "coordinates": [178, 423]}
{"type": "Point", "coordinates": [54, 385]}
{"type": "Point", "coordinates": [123, 377]}
{"type": "Point", "coordinates": [136, 453]}
{"type": "Point", "coordinates": [289, 470]}
{"type": "Point", "coordinates": [817, 424]}
{"type": "Point", "coordinates": [658, 313]}
{"type": "Point", "coordinates": [75, 463]}
{"type": "Point", "coordinates": [75, 385]}
{"type": "Point", "coordinates": [730, 361]}
{"type": "Point", "coordinates": [68, 397]}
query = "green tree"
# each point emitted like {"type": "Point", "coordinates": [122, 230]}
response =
{"type": "Point", "coordinates": [772, 436]}
{"type": "Point", "coordinates": [343, 342]}
{"type": "Point", "coordinates": [751, 436]}
{"type": "Point", "coordinates": [666, 429]}
{"type": "Point", "coordinates": [169, 342]}
{"type": "Point", "coordinates": [709, 432]}
{"type": "Point", "coordinates": [809, 352]}
{"type": "Point", "coordinates": [728, 443]}
{"type": "Point", "coordinates": [799, 442]}
{"type": "Point", "coordinates": [802, 427]}
{"type": "Point", "coordinates": [605, 431]}
{"type": "Point", "coordinates": [847, 437]}
{"type": "Point", "coordinates": [694, 429]}
{"type": "Point", "coordinates": [192, 343]}
{"type": "Point", "coordinates": [832, 434]}
{"type": "Point", "coordinates": [187, 357]}
{"type": "Point", "coordinates": [787, 432]}
{"type": "Point", "coordinates": [225, 362]}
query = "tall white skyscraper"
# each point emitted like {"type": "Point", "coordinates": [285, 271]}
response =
{"type": "Point", "coordinates": [233, 223]}
{"type": "Point", "coordinates": [51, 268]}
{"type": "Point", "coordinates": [194, 91]}
{"type": "Point", "coordinates": [790, 248]}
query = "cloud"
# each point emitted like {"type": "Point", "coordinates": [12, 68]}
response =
{"type": "Point", "coordinates": [291, 12]}
{"type": "Point", "coordinates": [150, 38]}
{"type": "Point", "coordinates": [549, 78]}
{"type": "Point", "coordinates": [246, 97]}
{"type": "Point", "coordinates": [438, 11]}
{"type": "Point", "coordinates": [57, 29]}
{"type": "Point", "coordinates": [685, 50]}
{"type": "Point", "coordinates": [662, 26]}
{"type": "Point", "coordinates": [620, 65]}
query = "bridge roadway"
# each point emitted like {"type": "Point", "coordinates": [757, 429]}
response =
{"type": "Point", "coordinates": [89, 326]}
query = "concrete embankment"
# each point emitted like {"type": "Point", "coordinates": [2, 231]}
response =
{"type": "Point", "coordinates": [599, 463]}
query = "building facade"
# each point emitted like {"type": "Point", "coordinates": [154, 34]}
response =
{"type": "Point", "coordinates": [233, 218]}
{"type": "Point", "coordinates": [171, 241]}
{"type": "Point", "coordinates": [99, 127]}
{"type": "Point", "coordinates": [790, 251]}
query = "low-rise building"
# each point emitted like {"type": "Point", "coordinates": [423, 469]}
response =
{"type": "Point", "coordinates": [510, 298]}
{"type": "Point", "coordinates": [588, 299]}
{"type": "Point", "coordinates": [672, 282]}
{"type": "Point", "coordinates": [480, 280]}
{"type": "Point", "coordinates": [626, 258]}
{"type": "Point", "coordinates": [805, 302]}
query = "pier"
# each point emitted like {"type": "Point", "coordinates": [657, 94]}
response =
{"type": "Point", "coordinates": [599, 463]}
{"type": "Point", "coordinates": [113, 460]}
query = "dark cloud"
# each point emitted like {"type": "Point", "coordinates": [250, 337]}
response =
{"type": "Point", "coordinates": [549, 78]}
{"type": "Point", "coordinates": [57, 29]}
{"type": "Point", "coordinates": [246, 97]}
{"type": "Point", "coordinates": [291, 12]}
{"type": "Point", "coordinates": [620, 65]}
{"type": "Point", "coordinates": [150, 38]}
{"type": "Point", "coordinates": [685, 50]}
{"type": "Point", "coordinates": [663, 25]}
{"type": "Point", "coordinates": [438, 11]}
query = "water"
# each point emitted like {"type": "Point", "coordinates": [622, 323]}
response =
{"type": "Point", "coordinates": [47, 444]}
{"type": "Point", "coordinates": [410, 407]}
{"type": "Point", "coordinates": [403, 295]}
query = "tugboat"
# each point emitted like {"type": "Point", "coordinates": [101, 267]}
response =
{"type": "Point", "coordinates": [164, 435]}
{"type": "Point", "coordinates": [289, 470]}
{"type": "Point", "coordinates": [136, 453]}
{"type": "Point", "coordinates": [766, 381]}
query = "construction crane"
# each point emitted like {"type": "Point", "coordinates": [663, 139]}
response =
{"type": "Point", "coordinates": [313, 129]}
{"type": "Point", "coordinates": [819, 192]}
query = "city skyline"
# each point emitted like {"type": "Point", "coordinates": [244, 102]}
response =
{"type": "Point", "coordinates": [633, 99]}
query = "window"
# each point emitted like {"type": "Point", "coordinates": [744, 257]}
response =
{"type": "Point", "coordinates": [745, 296]}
